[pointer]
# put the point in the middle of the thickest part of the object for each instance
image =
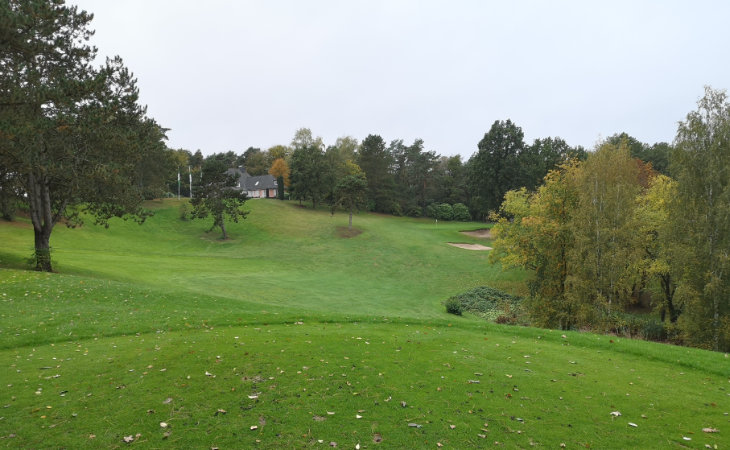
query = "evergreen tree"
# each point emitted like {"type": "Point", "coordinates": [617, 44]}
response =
{"type": "Point", "coordinates": [73, 134]}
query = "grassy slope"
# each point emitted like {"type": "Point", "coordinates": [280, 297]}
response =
{"type": "Point", "coordinates": [138, 310]}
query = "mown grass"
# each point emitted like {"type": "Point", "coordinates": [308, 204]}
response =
{"type": "Point", "coordinates": [289, 322]}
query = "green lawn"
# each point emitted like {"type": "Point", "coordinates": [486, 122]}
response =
{"type": "Point", "coordinates": [313, 338]}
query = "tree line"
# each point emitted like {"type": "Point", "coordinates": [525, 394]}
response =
{"type": "Point", "coordinates": [603, 235]}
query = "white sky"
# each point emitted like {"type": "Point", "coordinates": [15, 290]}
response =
{"type": "Point", "coordinates": [226, 75]}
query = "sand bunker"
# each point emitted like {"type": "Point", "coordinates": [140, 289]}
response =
{"type": "Point", "coordinates": [484, 233]}
{"type": "Point", "coordinates": [470, 246]}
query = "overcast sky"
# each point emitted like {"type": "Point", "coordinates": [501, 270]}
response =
{"type": "Point", "coordinates": [226, 75]}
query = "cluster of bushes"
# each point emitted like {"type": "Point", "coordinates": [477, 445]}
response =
{"type": "Point", "coordinates": [445, 211]}
{"type": "Point", "coordinates": [439, 211]}
{"type": "Point", "coordinates": [488, 303]}
{"type": "Point", "coordinates": [500, 307]}
{"type": "Point", "coordinates": [637, 326]}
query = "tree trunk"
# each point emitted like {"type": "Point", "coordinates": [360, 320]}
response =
{"type": "Point", "coordinates": [42, 251]}
{"type": "Point", "coordinates": [223, 229]}
{"type": "Point", "coordinates": [41, 214]}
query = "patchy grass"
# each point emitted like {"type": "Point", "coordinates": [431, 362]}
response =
{"type": "Point", "coordinates": [347, 232]}
{"type": "Point", "coordinates": [308, 337]}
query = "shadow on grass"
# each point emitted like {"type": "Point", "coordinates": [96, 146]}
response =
{"type": "Point", "coordinates": [348, 233]}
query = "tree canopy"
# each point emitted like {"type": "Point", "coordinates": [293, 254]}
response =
{"type": "Point", "coordinates": [74, 135]}
{"type": "Point", "coordinates": [217, 197]}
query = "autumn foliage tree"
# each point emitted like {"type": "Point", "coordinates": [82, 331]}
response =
{"type": "Point", "coordinates": [535, 232]}
{"type": "Point", "coordinates": [280, 170]}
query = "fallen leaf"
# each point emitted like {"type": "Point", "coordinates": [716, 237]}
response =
{"type": "Point", "coordinates": [414, 425]}
{"type": "Point", "coordinates": [710, 430]}
{"type": "Point", "coordinates": [254, 427]}
{"type": "Point", "coordinates": [377, 438]}
{"type": "Point", "coordinates": [167, 401]}
{"type": "Point", "coordinates": [686, 438]}
{"type": "Point", "coordinates": [128, 439]}
{"type": "Point", "coordinates": [452, 426]}
{"type": "Point", "coordinates": [616, 413]}
{"type": "Point", "coordinates": [403, 404]}
{"type": "Point", "coordinates": [357, 446]}
{"type": "Point", "coordinates": [358, 416]}
{"type": "Point", "coordinates": [220, 411]}
{"type": "Point", "coordinates": [633, 424]}
{"type": "Point", "coordinates": [163, 425]}
{"type": "Point", "coordinates": [319, 418]}
{"type": "Point", "coordinates": [333, 444]}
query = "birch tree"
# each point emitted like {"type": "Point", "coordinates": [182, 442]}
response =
{"type": "Point", "coordinates": [701, 165]}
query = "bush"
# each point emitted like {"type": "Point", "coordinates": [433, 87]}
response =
{"type": "Point", "coordinates": [461, 212]}
{"type": "Point", "coordinates": [642, 326]}
{"type": "Point", "coordinates": [453, 306]}
{"type": "Point", "coordinates": [184, 211]}
{"type": "Point", "coordinates": [489, 303]}
{"type": "Point", "coordinates": [444, 211]}
{"type": "Point", "coordinates": [431, 211]}
{"type": "Point", "coordinates": [414, 211]}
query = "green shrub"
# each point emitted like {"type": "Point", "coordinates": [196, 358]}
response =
{"type": "Point", "coordinates": [453, 306]}
{"type": "Point", "coordinates": [642, 326]}
{"type": "Point", "coordinates": [461, 212]}
{"type": "Point", "coordinates": [431, 211]}
{"type": "Point", "coordinates": [490, 303]}
{"type": "Point", "coordinates": [184, 211]}
{"type": "Point", "coordinates": [444, 211]}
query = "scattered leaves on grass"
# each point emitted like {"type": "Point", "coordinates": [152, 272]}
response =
{"type": "Point", "coordinates": [129, 439]}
